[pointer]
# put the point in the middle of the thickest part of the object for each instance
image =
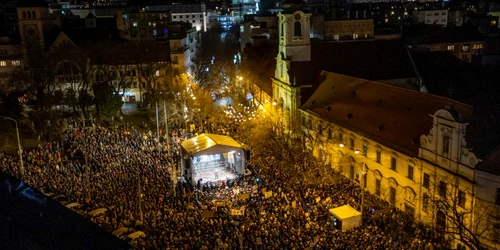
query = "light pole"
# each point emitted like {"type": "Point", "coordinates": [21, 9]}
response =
{"type": "Point", "coordinates": [363, 173]}
{"type": "Point", "coordinates": [19, 149]}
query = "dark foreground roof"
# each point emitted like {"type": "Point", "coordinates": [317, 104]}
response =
{"type": "Point", "coordinates": [390, 115]}
{"type": "Point", "coordinates": [31, 220]}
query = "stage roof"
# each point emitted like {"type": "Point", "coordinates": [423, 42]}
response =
{"type": "Point", "coordinates": [31, 220]}
{"type": "Point", "coordinates": [206, 144]}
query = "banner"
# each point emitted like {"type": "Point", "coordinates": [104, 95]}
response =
{"type": "Point", "coordinates": [268, 194]}
{"type": "Point", "coordinates": [238, 212]}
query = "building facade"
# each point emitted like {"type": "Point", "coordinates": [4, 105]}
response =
{"type": "Point", "coordinates": [435, 17]}
{"type": "Point", "coordinates": [194, 13]}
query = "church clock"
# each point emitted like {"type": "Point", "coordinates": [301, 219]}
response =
{"type": "Point", "coordinates": [30, 31]}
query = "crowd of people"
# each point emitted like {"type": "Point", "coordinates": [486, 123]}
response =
{"type": "Point", "coordinates": [129, 173]}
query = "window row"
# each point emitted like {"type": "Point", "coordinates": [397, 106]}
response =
{"type": "Point", "coordinates": [14, 63]}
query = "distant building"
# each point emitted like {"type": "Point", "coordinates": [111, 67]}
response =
{"type": "Point", "coordinates": [144, 26]}
{"type": "Point", "coordinates": [463, 42]}
{"type": "Point", "coordinates": [183, 43]}
{"type": "Point", "coordinates": [194, 13]}
{"type": "Point", "coordinates": [436, 17]}
{"type": "Point", "coordinates": [348, 30]}
{"type": "Point", "coordinates": [244, 7]}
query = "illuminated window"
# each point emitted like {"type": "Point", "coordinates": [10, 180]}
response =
{"type": "Point", "coordinates": [16, 63]}
{"type": "Point", "coordinates": [157, 73]}
{"type": "Point", "coordinates": [477, 46]}
{"type": "Point", "coordinates": [354, 36]}
{"type": "Point", "coordinates": [493, 22]}
{"type": "Point", "coordinates": [336, 37]}
{"type": "Point", "coordinates": [3, 63]}
{"type": "Point", "coordinates": [450, 47]}
{"type": "Point", "coordinates": [134, 24]}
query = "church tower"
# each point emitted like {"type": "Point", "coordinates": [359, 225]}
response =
{"type": "Point", "coordinates": [36, 22]}
{"type": "Point", "coordinates": [294, 49]}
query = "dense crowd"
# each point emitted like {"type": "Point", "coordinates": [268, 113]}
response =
{"type": "Point", "coordinates": [128, 173]}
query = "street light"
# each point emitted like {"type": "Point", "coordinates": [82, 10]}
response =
{"type": "Point", "coordinates": [19, 149]}
{"type": "Point", "coordinates": [341, 145]}
{"type": "Point", "coordinates": [356, 151]}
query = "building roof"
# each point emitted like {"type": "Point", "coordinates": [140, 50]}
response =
{"type": "Point", "coordinates": [371, 60]}
{"type": "Point", "coordinates": [31, 220]}
{"type": "Point", "coordinates": [393, 116]}
{"type": "Point", "coordinates": [491, 163]}
{"type": "Point", "coordinates": [435, 34]}
{"type": "Point", "coordinates": [203, 143]}
{"type": "Point", "coordinates": [344, 212]}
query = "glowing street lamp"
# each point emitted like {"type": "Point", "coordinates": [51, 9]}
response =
{"type": "Point", "coordinates": [341, 145]}
{"type": "Point", "coordinates": [356, 151]}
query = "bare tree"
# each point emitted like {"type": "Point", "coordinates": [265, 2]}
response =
{"type": "Point", "coordinates": [458, 215]}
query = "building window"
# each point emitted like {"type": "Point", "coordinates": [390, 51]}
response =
{"type": "Point", "coordinates": [354, 36]}
{"type": "Point", "coordinates": [393, 163]}
{"type": "Point", "coordinates": [192, 16]}
{"type": "Point", "coordinates": [410, 172]}
{"type": "Point", "coordinates": [392, 196]}
{"type": "Point", "coordinates": [450, 47]}
{"type": "Point", "coordinates": [329, 134]}
{"type": "Point", "coordinates": [377, 187]}
{"type": "Point", "coordinates": [440, 220]}
{"type": "Point", "coordinates": [180, 16]}
{"type": "Point", "coordinates": [461, 198]}
{"type": "Point", "coordinates": [175, 17]}
{"type": "Point", "coordinates": [336, 37]}
{"type": "Point", "coordinates": [352, 143]}
{"type": "Point", "coordinates": [16, 63]}
{"type": "Point", "coordinates": [341, 137]}
{"type": "Point", "coordinates": [157, 73]}
{"type": "Point", "coordinates": [442, 189]}
{"type": "Point", "coordinates": [425, 202]}
{"type": "Point", "coordinates": [477, 46]}
{"type": "Point", "coordinates": [465, 48]}
{"type": "Point", "coordinates": [351, 171]}
{"type": "Point", "coordinates": [282, 29]}
{"type": "Point", "coordinates": [365, 150]}
{"type": "Point", "coordinates": [426, 180]}
{"type": "Point", "coordinates": [134, 24]}
{"type": "Point", "coordinates": [3, 63]}
{"type": "Point", "coordinates": [446, 145]}
{"type": "Point", "coordinates": [297, 28]}
{"type": "Point", "coordinates": [379, 156]}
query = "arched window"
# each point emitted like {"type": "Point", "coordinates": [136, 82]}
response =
{"type": "Point", "coordinates": [29, 14]}
{"type": "Point", "coordinates": [24, 14]}
{"type": "Point", "coordinates": [297, 29]}
{"type": "Point", "coordinates": [34, 14]}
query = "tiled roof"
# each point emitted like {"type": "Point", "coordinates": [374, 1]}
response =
{"type": "Point", "coordinates": [390, 115]}
{"type": "Point", "coordinates": [433, 34]}
{"type": "Point", "coordinates": [371, 60]}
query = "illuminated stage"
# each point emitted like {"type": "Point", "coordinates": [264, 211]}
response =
{"type": "Point", "coordinates": [209, 175]}
{"type": "Point", "coordinates": [211, 158]}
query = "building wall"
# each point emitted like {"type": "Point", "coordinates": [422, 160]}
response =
{"type": "Point", "coordinates": [356, 29]}
{"type": "Point", "coordinates": [408, 182]}
{"type": "Point", "coordinates": [463, 51]}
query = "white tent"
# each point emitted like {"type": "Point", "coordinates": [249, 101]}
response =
{"type": "Point", "coordinates": [206, 144]}
{"type": "Point", "coordinates": [345, 217]}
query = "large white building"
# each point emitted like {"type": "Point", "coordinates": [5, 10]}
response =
{"type": "Point", "coordinates": [411, 149]}
{"type": "Point", "coordinates": [194, 13]}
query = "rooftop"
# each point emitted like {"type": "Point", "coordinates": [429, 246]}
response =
{"type": "Point", "coordinates": [371, 60]}
{"type": "Point", "coordinates": [31, 220]}
{"type": "Point", "coordinates": [390, 115]}
{"type": "Point", "coordinates": [433, 34]}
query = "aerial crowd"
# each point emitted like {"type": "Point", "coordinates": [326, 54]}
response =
{"type": "Point", "coordinates": [129, 173]}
